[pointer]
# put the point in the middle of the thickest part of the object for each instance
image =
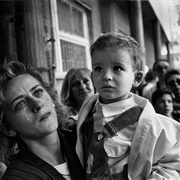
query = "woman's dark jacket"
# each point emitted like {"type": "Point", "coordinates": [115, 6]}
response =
{"type": "Point", "coordinates": [27, 166]}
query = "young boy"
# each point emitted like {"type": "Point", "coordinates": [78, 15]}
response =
{"type": "Point", "coordinates": [172, 81]}
{"type": "Point", "coordinates": [162, 101]}
{"type": "Point", "coordinates": [120, 136]}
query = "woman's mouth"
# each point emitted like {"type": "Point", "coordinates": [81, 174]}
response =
{"type": "Point", "coordinates": [45, 116]}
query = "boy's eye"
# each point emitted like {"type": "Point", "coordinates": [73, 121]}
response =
{"type": "Point", "coordinates": [38, 92]}
{"type": "Point", "coordinates": [98, 69]}
{"type": "Point", "coordinates": [117, 68]}
{"type": "Point", "coordinates": [20, 104]}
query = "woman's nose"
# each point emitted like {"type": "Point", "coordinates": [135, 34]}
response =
{"type": "Point", "coordinates": [82, 85]}
{"type": "Point", "coordinates": [36, 105]}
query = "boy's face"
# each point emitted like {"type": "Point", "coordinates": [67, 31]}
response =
{"type": "Point", "coordinates": [113, 74]}
{"type": "Point", "coordinates": [164, 105]}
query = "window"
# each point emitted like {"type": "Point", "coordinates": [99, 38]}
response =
{"type": "Point", "coordinates": [73, 34]}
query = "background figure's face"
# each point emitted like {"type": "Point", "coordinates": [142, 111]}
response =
{"type": "Point", "coordinates": [113, 74]}
{"type": "Point", "coordinates": [164, 105]}
{"type": "Point", "coordinates": [29, 108]}
{"type": "Point", "coordinates": [173, 84]}
{"type": "Point", "coordinates": [160, 69]}
{"type": "Point", "coordinates": [82, 87]}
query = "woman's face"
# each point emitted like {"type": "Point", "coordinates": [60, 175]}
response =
{"type": "Point", "coordinates": [28, 108]}
{"type": "Point", "coordinates": [82, 87]}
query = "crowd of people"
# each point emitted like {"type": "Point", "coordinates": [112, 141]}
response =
{"type": "Point", "coordinates": [99, 129]}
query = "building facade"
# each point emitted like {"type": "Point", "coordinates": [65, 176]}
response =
{"type": "Point", "coordinates": [55, 35]}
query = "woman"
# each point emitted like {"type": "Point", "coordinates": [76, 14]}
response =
{"type": "Point", "coordinates": [29, 114]}
{"type": "Point", "coordinates": [77, 87]}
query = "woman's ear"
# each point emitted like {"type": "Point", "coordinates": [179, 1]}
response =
{"type": "Point", "coordinates": [7, 130]}
{"type": "Point", "coordinates": [138, 77]}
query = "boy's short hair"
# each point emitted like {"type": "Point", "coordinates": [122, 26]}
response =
{"type": "Point", "coordinates": [159, 93]}
{"type": "Point", "coordinates": [170, 73]}
{"type": "Point", "coordinates": [119, 41]}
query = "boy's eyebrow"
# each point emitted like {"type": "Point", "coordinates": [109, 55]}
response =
{"type": "Point", "coordinates": [20, 96]}
{"type": "Point", "coordinates": [95, 64]}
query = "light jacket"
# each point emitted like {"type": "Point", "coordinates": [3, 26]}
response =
{"type": "Point", "coordinates": [155, 149]}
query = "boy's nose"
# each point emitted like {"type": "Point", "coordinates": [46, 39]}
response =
{"type": "Point", "coordinates": [107, 76]}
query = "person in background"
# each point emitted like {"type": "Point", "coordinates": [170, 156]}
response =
{"type": "Point", "coordinates": [159, 68]}
{"type": "Point", "coordinates": [172, 81]}
{"type": "Point", "coordinates": [151, 81]}
{"type": "Point", "coordinates": [77, 86]}
{"type": "Point", "coordinates": [120, 136]}
{"type": "Point", "coordinates": [162, 100]}
{"type": "Point", "coordinates": [32, 117]}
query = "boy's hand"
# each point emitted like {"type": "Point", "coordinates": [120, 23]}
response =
{"type": "Point", "coordinates": [69, 124]}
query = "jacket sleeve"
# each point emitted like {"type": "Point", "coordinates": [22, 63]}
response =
{"type": "Point", "coordinates": [168, 167]}
{"type": "Point", "coordinates": [166, 157]}
{"type": "Point", "coordinates": [155, 149]}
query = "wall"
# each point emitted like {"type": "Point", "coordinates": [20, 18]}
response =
{"type": "Point", "coordinates": [120, 17]}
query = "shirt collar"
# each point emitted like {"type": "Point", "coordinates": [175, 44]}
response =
{"type": "Point", "coordinates": [117, 107]}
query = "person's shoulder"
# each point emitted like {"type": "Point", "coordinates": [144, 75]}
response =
{"type": "Point", "coordinates": [16, 170]}
{"type": "Point", "coordinates": [20, 170]}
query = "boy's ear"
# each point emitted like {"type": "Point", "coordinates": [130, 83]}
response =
{"type": "Point", "coordinates": [138, 77]}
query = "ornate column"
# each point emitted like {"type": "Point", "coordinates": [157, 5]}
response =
{"type": "Point", "coordinates": [157, 39]}
{"type": "Point", "coordinates": [136, 20]}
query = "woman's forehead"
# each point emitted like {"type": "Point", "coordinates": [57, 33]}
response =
{"type": "Point", "coordinates": [21, 80]}
{"type": "Point", "coordinates": [18, 85]}
{"type": "Point", "coordinates": [81, 75]}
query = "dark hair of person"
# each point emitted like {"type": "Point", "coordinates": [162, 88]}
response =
{"type": "Point", "coordinates": [150, 75]}
{"type": "Point", "coordinates": [118, 41]}
{"type": "Point", "coordinates": [170, 73]}
{"type": "Point", "coordinates": [159, 93]}
{"type": "Point", "coordinates": [12, 69]}
{"type": "Point", "coordinates": [157, 62]}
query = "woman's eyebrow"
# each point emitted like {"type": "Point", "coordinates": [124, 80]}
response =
{"type": "Point", "coordinates": [20, 96]}
{"type": "Point", "coordinates": [34, 87]}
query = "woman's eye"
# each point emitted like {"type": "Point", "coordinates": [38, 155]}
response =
{"type": "Point", "coordinates": [117, 68]}
{"type": "Point", "coordinates": [38, 92]}
{"type": "Point", "coordinates": [20, 105]}
{"type": "Point", "coordinates": [98, 69]}
{"type": "Point", "coordinates": [75, 84]}
{"type": "Point", "coordinates": [86, 81]}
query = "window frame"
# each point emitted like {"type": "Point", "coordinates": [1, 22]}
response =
{"type": "Point", "coordinates": [72, 38]}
